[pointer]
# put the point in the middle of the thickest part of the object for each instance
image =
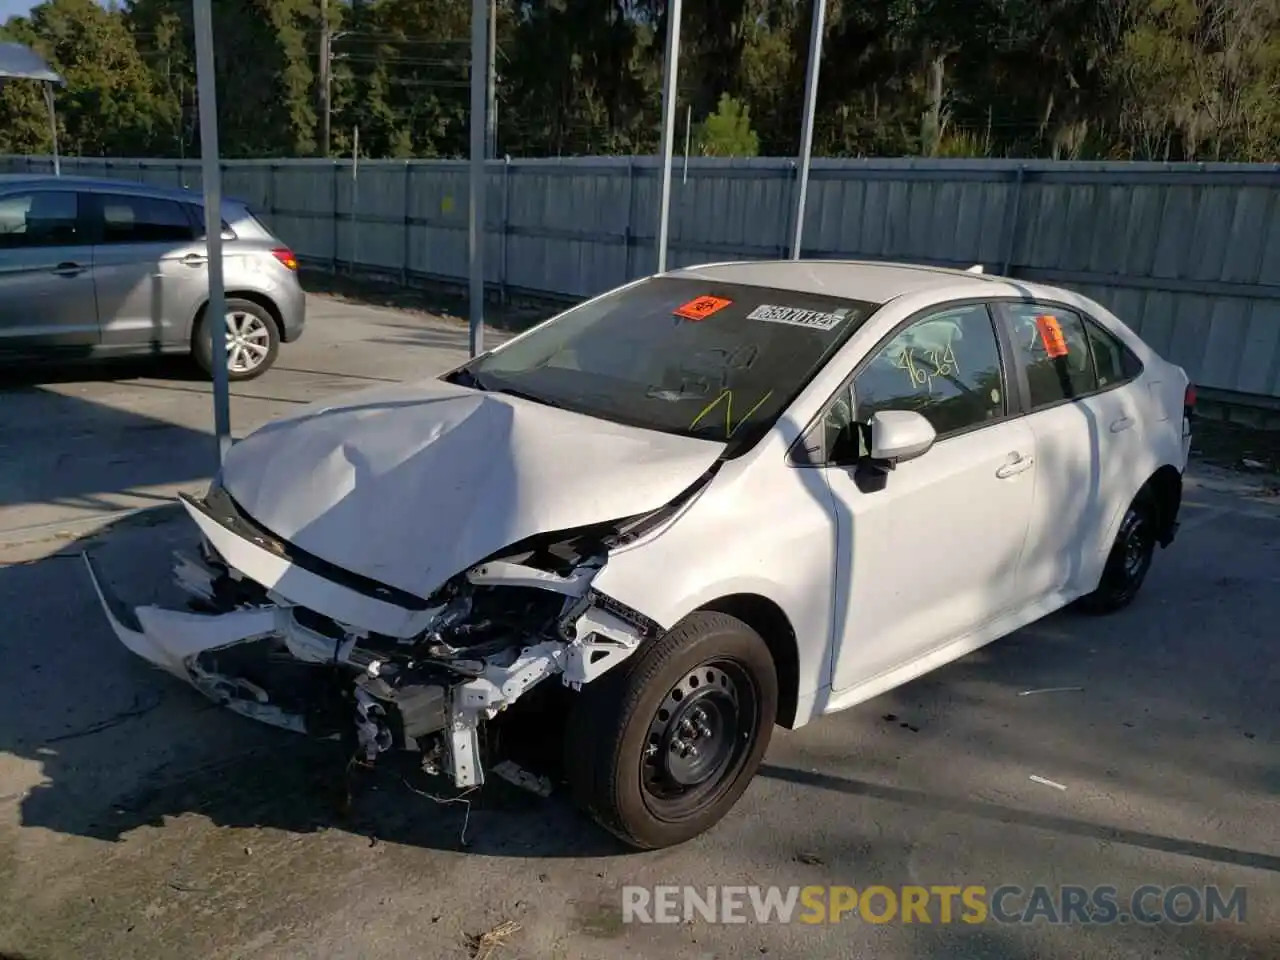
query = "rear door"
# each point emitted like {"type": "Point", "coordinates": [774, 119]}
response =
{"type": "Point", "coordinates": [1085, 409]}
{"type": "Point", "coordinates": [46, 272]}
{"type": "Point", "coordinates": [151, 270]}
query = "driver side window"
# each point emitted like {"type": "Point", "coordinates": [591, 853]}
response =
{"type": "Point", "coordinates": [946, 366]}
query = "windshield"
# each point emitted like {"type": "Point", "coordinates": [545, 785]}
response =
{"type": "Point", "coordinates": [682, 355]}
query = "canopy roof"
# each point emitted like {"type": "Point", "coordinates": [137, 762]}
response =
{"type": "Point", "coordinates": [22, 63]}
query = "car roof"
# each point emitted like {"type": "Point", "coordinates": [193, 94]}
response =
{"type": "Point", "coordinates": [45, 180]}
{"type": "Point", "coordinates": [866, 280]}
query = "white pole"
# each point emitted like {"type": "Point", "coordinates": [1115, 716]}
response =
{"type": "Point", "coordinates": [355, 199]}
{"type": "Point", "coordinates": [688, 136]}
{"type": "Point", "coordinates": [216, 311]}
{"type": "Point", "coordinates": [806, 131]}
{"type": "Point", "coordinates": [475, 208]}
{"type": "Point", "coordinates": [53, 127]}
{"type": "Point", "coordinates": [668, 125]}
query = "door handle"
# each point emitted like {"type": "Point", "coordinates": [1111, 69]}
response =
{"type": "Point", "coordinates": [1124, 423]}
{"type": "Point", "coordinates": [68, 269]}
{"type": "Point", "coordinates": [1017, 463]}
{"type": "Point", "coordinates": [195, 260]}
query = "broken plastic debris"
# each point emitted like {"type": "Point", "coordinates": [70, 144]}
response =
{"type": "Point", "coordinates": [517, 775]}
{"type": "Point", "coordinates": [1048, 783]}
{"type": "Point", "coordinates": [1028, 693]}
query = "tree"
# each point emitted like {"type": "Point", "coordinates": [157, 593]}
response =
{"type": "Point", "coordinates": [727, 132]}
{"type": "Point", "coordinates": [106, 107]}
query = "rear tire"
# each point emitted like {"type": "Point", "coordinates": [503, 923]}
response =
{"type": "Point", "coordinates": [659, 749]}
{"type": "Point", "coordinates": [1129, 561]}
{"type": "Point", "coordinates": [253, 340]}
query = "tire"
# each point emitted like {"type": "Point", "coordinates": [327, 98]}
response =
{"type": "Point", "coordinates": [1129, 561]}
{"type": "Point", "coordinates": [710, 680]}
{"type": "Point", "coordinates": [260, 333]}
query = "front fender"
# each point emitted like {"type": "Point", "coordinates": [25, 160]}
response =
{"type": "Point", "coordinates": [778, 542]}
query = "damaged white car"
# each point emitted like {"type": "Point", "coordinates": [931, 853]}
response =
{"type": "Point", "coordinates": [700, 505]}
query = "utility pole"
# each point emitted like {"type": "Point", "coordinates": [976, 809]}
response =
{"type": "Point", "coordinates": [326, 57]}
{"type": "Point", "coordinates": [491, 117]}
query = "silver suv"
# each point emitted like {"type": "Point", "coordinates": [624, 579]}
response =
{"type": "Point", "coordinates": [93, 268]}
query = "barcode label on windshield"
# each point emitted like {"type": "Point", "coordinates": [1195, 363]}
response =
{"type": "Point", "coordinates": [798, 317]}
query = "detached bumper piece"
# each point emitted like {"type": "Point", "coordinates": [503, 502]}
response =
{"type": "Point", "coordinates": [497, 632]}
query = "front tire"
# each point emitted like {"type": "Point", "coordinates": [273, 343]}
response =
{"type": "Point", "coordinates": [659, 749]}
{"type": "Point", "coordinates": [1129, 561]}
{"type": "Point", "coordinates": [253, 340]}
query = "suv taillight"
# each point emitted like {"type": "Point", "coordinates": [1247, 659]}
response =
{"type": "Point", "coordinates": [1189, 401]}
{"type": "Point", "coordinates": [285, 256]}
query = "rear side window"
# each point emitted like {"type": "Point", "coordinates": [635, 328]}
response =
{"type": "Point", "coordinates": [130, 219]}
{"type": "Point", "coordinates": [40, 218]}
{"type": "Point", "coordinates": [1113, 361]}
{"type": "Point", "coordinates": [1055, 349]}
{"type": "Point", "coordinates": [196, 213]}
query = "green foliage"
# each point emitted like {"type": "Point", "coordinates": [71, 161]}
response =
{"type": "Point", "coordinates": [727, 132]}
{"type": "Point", "coordinates": [1134, 79]}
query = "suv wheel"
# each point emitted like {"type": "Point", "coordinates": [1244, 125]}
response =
{"type": "Point", "coordinates": [253, 340]}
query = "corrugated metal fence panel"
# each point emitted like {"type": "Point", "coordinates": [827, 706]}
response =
{"type": "Point", "coordinates": [1188, 254]}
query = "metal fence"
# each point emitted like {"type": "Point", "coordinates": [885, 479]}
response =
{"type": "Point", "coordinates": [1189, 254]}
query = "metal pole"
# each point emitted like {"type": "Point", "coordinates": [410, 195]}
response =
{"type": "Point", "coordinates": [53, 128]}
{"type": "Point", "coordinates": [475, 208]}
{"type": "Point", "coordinates": [355, 199]}
{"type": "Point", "coordinates": [668, 125]}
{"type": "Point", "coordinates": [216, 310]}
{"type": "Point", "coordinates": [325, 87]}
{"type": "Point", "coordinates": [688, 138]}
{"type": "Point", "coordinates": [806, 131]}
{"type": "Point", "coordinates": [491, 117]}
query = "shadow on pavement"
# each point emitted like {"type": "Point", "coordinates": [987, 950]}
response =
{"type": "Point", "coordinates": [60, 449]}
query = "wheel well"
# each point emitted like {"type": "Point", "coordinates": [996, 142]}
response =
{"type": "Point", "coordinates": [767, 619]}
{"type": "Point", "coordinates": [265, 302]}
{"type": "Point", "coordinates": [1165, 490]}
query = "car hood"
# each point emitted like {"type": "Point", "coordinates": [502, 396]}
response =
{"type": "Point", "coordinates": [412, 483]}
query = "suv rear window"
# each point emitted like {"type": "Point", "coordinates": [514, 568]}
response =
{"type": "Point", "coordinates": [678, 354]}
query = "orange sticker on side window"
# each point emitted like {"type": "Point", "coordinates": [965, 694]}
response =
{"type": "Point", "coordinates": [701, 308]}
{"type": "Point", "coordinates": [1055, 343]}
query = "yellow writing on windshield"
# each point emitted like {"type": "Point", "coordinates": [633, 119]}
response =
{"type": "Point", "coordinates": [726, 397]}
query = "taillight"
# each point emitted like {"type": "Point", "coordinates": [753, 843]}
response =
{"type": "Point", "coordinates": [285, 256]}
{"type": "Point", "coordinates": [1189, 398]}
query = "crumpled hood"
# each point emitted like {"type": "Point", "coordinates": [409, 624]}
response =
{"type": "Point", "coordinates": [412, 483]}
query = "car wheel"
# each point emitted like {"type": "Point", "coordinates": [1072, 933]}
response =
{"type": "Point", "coordinates": [1129, 561]}
{"type": "Point", "coordinates": [660, 748]}
{"type": "Point", "coordinates": [253, 340]}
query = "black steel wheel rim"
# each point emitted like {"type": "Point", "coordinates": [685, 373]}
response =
{"type": "Point", "coordinates": [698, 739]}
{"type": "Point", "coordinates": [1133, 548]}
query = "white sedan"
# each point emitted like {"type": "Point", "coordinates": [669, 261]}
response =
{"type": "Point", "coordinates": [701, 504]}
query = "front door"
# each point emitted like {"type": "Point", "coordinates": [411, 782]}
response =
{"type": "Point", "coordinates": [152, 271]}
{"type": "Point", "coordinates": [46, 273]}
{"type": "Point", "coordinates": [929, 551]}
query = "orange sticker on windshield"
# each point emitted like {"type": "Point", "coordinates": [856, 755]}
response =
{"type": "Point", "coordinates": [701, 308]}
{"type": "Point", "coordinates": [1055, 343]}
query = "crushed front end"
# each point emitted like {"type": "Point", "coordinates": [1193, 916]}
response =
{"type": "Point", "coordinates": [290, 640]}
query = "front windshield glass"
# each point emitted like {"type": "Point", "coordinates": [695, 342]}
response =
{"type": "Point", "coordinates": [709, 360]}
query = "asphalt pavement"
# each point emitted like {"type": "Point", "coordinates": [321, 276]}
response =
{"type": "Point", "coordinates": [136, 820]}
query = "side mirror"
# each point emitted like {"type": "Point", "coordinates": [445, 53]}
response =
{"type": "Point", "coordinates": [899, 435]}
